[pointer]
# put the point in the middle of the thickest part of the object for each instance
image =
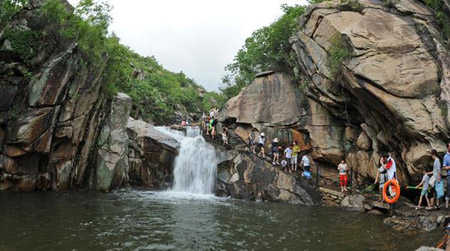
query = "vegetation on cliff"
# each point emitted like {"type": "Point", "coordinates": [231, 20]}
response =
{"type": "Point", "coordinates": [157, 92]}
{"type": "Point", "coordinates": [267, 49]}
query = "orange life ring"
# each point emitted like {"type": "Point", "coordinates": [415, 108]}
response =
{"type": "Point", "coordinates": [395, 188]}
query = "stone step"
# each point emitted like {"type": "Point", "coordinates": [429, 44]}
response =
{"type": "Point", "coordinates": [340, 195]}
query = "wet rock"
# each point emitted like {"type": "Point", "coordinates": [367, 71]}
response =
{"type": "Point", "coordinates": [354, 202]}
{"type": "Point", "coordinates": [254, 179]}
{"type": "Point", "coordinates": [151, 155]}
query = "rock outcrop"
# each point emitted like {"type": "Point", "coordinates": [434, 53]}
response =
{"type": "Point", "coordinates": [151, 155]}
{"type": "Point", "coordinates": [112, 146]}
{"type": "Point", "coordinates": [391, 89]}
{"type": "Point", "coordinates": [58, 128]}
{"type": "Point", "coordinates": [374, 78]}
{"type": "Point", "coordinates": [251, 178]}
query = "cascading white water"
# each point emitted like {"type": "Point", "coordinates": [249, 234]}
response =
{"type": "Point", "coordinates": [196, 163]}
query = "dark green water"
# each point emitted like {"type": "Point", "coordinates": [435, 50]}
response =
{"type": "Point", "coordinates": [134, 220]}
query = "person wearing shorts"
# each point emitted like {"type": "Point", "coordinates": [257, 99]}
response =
{"type": "Point", "coordinates": [342, 168]}
{"type": "Point", "coordinates": [294, 159]}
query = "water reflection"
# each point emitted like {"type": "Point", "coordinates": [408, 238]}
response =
{"type": "Point", "coordinates": [133, 220]}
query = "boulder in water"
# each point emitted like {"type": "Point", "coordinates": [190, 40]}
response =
{"type": "Point", "coordinates": [252, 178]}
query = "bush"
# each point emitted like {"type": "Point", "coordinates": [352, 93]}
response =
{"type": "Point", "coordinates": [23, 42]}
{"type": "Point", "coordinates": [8, 8]}
{"type": "Point", "coordinates": [338, 53]}
{"type": "Point", "coordinates": [267, 49]}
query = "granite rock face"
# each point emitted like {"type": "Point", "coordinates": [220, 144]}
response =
{"type": "Point", "coordinates": [58, 128]}
{"type": "Point", "coordinates": [112, 146]}
{"type": "Point", "coordinates": [389, 94]}
{"type": "Point", "coordinates": [251, 178]}
{"type": "Point", "coordinates": [151, 155]}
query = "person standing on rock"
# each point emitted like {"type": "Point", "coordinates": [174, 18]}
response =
{"type": "Point", "coordinates": [288, 157]}
{"type": "Point", "coordinates": [208, 119]}
{"type": "Point", "coordinates": [275, 152]}
{"type": "Point", "coordinates": [213, 127]}
{"type": "Point", "coordinates": [391, 167]}
{"type": "Point", "coordinates": [436, 175]}
{"type": "Point", "coordinates": [381, 176]}
{"type": "Point", "coordinates": [294, 160]}
{"type": "Point", "coordinates": [425, 184]}
{"type": "Point", "coordinates": [261, 142]}
{"type": "Point", "coordinates": [342, 168]}
{"type": "Point", "coordinates": [447, 168]}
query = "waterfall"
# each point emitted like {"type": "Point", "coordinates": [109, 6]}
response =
{"type": "Point", "coordinates": [196, 163]}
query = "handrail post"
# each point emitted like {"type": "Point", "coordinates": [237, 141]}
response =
{"type": "Point", "coordinates": [317, 175]}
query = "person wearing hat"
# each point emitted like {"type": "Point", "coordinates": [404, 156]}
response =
{"type": "Point", "coordinates": [275, 152]}
{"type": "Point", "coordinates": [261, 141]}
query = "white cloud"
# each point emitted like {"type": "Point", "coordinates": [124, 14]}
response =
{"type": "Point", "coordinates": [198, 37]}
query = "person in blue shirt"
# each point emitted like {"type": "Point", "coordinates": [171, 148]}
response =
{"type": "Point", "coordinates": [446, 165]}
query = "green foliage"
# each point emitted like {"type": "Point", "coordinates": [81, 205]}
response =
{"type": "Point", "coordinates": [267, 49]}
{"type": "Point", "coordinates": [442, 16]}
{"type": "Point", "coordinates": [8, 8]}
{"type": "Point", "coordinates": [338, 53]}
{"type": "Point", "coordinates": [390, 3]}
{"type": "Point", "coordinates": [351, 5]}
{"type": "Point", "coordinates": [212, 99]}
{"type": "Point", "coordinates": [157, 92]}
{"type": "Point", "coordinates": [23, 42]}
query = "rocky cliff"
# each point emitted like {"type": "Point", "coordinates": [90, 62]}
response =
{"type": "Point", "coordinates": [58, 128]}
{"type": "Point", "coordinates": [376, 78]}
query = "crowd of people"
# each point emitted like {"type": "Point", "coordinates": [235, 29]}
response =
{"type": "Point", "coordinates": [432, 182]}
{"type": "Point", "coordinates": [285, 157]}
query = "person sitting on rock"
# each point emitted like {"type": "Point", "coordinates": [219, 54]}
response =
{"type": "Point", "coordinates": [294, 160]}
{"type": "Point", "coordinates": [261, 142]}
{"type": "Point", "coordinates": [342, 168]}
{"type": "Point", "coordinates": [284, 164]}
{"type": "Point", "coordinates": [306, 166]}
{"type": "Point", "coordinates": [275, 152]}
{"type": "Point", "coordinates": [288, 156]}
{"type": "Point", "coordinates": [381, 176]}
{"type": "Point", "coordinates": [425, 184]}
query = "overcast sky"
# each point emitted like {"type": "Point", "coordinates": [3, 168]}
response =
{"type": "Point", "coordinates": [198, 37]}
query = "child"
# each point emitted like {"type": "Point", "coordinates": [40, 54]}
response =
{"type": "Point", "coordinates": [284, 164]}
{"type": "Point", "coordinates": [225, 136]}
{"type": "Point", "coordinates": [425, 182]}
{"type": "Point", "coordinates": [288, 155]}
{"type": "Point", "coordinates": [342, 168]}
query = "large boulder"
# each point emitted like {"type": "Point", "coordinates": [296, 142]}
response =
{"type": "Point", "coordinates": [112, 160]}
{"type": "Point", "coordinates": [392, 90]}
{"type": "Point", "coordinates": [271, 100]}
{"type": "Point", "coordinates": [51, 108]}
{"type": "Point", "coordinates": [151, 155]}
{"type": "Point", "coordinates": [251, 178]}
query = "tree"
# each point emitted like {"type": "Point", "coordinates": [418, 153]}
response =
{"type": "Point", "coordinates": [267, 49]}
